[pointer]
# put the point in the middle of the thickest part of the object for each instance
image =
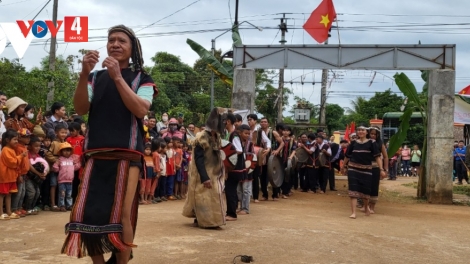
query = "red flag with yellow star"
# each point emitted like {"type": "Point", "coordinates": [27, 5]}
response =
{"type": "Point", "coordinates": [465, 91]}
{"type": "Point", "coordinates": [320, 21]}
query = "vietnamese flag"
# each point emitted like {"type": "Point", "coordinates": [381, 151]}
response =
{"type": "Point", "coordinates": [353, 127]}
{"type": "Point", "coordinates": [465, 91]}
{"type": "Point", "coordinates": [319, 23]}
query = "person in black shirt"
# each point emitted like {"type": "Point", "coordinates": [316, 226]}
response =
{"type": "Point", "coordinates": [116, 99]}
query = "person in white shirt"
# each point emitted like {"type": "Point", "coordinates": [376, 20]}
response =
{"type": "Point", "coordinates": [322, 164]}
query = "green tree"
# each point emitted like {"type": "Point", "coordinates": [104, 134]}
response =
{"type": "Point", "coordinates": [333, 116]}
{"type": "Point", "coordinates": [222, 91]}
{"type": "Point", "coordinates": [364, 110]}
{"type": "Point", "coordinates": [177, 83]}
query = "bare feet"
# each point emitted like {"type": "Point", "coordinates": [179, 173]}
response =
{"type": "Point", "coordinates": [256, 201]}
{"type": "Point", "coordinates": [242, 213]}
{"type": "Point", "coordinates": [353, 216]}
{"type": "Point", "coordinates": [229, 218]}
{"type": "Point", "coordinates": [367, 210]}
{"type": "Point", "coordinates": [275, 199]}
{"type": "Point", "coordinates": [285, 197]}
{"type": "Point", "coordinates": [372, 211]}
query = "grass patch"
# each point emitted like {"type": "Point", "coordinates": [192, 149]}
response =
{"type": "Point", "coordinates": [457, 189]}
{"type": "Point", "coordinates": [396, 197]}
{"type": "Point", "coordinates": [411, 184]}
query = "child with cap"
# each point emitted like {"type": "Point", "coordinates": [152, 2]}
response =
{"type": "Point", "coordinates": [65, 166]}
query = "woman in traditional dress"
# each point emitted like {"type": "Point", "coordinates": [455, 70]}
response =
{"type": "Point", "coordinates": [374, 134]}
{"type": "Point", "coordinates": [358, 166]}
{"type": "Point", "coordinates": [104, 216]}
{"type": "Point", "coordinates": [204, 201]}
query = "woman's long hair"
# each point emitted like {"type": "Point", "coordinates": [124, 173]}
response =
{"type": "Point", "coordinates": [378, 138]}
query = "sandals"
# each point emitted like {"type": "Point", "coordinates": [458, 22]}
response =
{"type": "Point", "coordinates": [14, 216]}
{"type": "Point", "coordinates": [4, 217]}
{"type": "Point", "coordinates": [55, 208]}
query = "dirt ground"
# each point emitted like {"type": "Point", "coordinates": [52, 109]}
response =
{"type": "Point", "coordinates": [306, 228]}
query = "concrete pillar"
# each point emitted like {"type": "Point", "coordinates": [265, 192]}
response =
{"type": "Point", "coordinates": [440, 136]}
{"type": "Point", "coordinates": [243, 93]}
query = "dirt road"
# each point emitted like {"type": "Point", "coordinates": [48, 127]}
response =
{"type": "Point", "coordinates": [307, 228]}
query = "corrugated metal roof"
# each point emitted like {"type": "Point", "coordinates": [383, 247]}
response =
{"type": "Point", "coordinates": [393, 115]}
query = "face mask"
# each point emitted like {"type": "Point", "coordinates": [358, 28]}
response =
{"type": "Point", "coordinates": [165, 118]}
{"type": "Point", "coordinates": [30, 116]}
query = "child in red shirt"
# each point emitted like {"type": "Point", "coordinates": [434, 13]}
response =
{"type": "Point", "coordinates": [76, 140]}
{"type": "Point", "coordinates": [170, 169]}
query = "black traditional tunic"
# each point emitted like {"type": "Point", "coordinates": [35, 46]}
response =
{"type": "Point", "coordinates": [360, 157]}
{"type": "Point", "coordinates": [114, 142]}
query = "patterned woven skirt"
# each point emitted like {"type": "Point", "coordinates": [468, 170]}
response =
{"type": "Point", "coordinates": [375, 183]}
{"type": "Point", "coordinates": [359, 180]}
{"type": "Point", "coordinates": [95, 221]}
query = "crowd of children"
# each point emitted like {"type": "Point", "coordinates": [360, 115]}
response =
{"type": "Point", "coordinates": [39, 171]}
{"type": "Point", "coordinates": [166, 177]}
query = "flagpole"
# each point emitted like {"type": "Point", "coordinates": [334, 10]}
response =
{"type": "Point", "coordinates": [337, 29]}
{"type": "Point", "coordinates": [324, 82]}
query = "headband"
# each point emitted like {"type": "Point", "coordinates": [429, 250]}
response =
{"type": "Point", "coordinates": [137, 58]}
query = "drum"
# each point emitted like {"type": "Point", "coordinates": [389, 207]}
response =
{"type": "Point", "coordinates": [229, 155]}
{"type": "Point", "coordinates": [323, 160]}
{"type": "Point", "coordinates": [301, 155]}
{"type": "Point", "coordinates": [294, 162]}
{"type": "Point", "coordinates": [275, 171]}
{"type": "Point", "coordinates": [288, 171]}
{"type": "Point", "coordinates": [259, 154]}
{"type": "Point", "coordinates": [251, 162]}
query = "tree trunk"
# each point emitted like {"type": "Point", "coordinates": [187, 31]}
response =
{"type": "Point", "coordinates": [422, 175]}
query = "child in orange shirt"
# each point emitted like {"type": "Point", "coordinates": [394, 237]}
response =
{"type": "Point", "coordinates": [10, 163]}
{"type": "Point", "coordinates": [17, 199]}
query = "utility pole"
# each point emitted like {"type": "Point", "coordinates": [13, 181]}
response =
{"type": "Point", "coordinates": [283, 28]}
{"type": "Point", "coordinates": [324, 83]}
{"type": "Point", "coordinates": [236, 13]}
{"type": "Point", "coordinates": [212, 77]}
{"type": "Point", "coordinates": [52, 55]}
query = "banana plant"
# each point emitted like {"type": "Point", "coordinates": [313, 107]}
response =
{"type": "Point", "coordinates": [225, 73]}
{"type": "Point", "coordinates": [409, 90]}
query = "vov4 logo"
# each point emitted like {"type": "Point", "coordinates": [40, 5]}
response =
{"type": "Point", "coordinates": [21, 33]}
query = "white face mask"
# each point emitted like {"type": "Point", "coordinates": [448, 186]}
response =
{"type": "Point", "coordinates": [165, 118]}
{"type": "Point", "coordinates": [30, 116]}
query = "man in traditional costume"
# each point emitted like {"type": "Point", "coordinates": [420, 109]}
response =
{"type": "Point", "coordinates": [205, 200]}
{"type": "Point", "coordinates": [104, 216]}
